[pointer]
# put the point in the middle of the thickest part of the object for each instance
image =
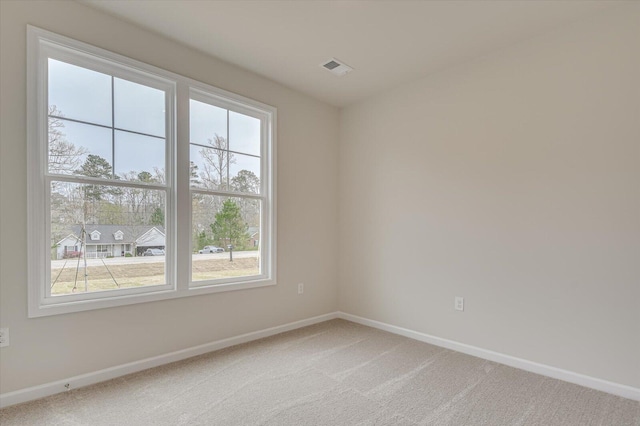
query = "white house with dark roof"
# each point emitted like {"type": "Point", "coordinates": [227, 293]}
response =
{"type": "Point", "coordinates": [110, 240]}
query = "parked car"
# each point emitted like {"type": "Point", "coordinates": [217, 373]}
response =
{"type": "Point", "coordinates": [153, 252]}
{"type": "Point", "coordinates": [211, 249]}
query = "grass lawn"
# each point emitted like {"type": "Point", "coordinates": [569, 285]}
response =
{"type": "Point", "coordinates": [144, 274]}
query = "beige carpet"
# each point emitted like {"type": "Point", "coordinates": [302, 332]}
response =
{"type": "Point", "coordinates": [334, 373]}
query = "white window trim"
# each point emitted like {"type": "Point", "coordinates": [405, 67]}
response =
{"type": "Point", "coordinates": [178, 229]}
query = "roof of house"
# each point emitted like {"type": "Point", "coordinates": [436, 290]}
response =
{"type": "Point", "coordinates": [130, 233]}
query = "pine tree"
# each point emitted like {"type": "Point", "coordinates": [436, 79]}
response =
{"type": "Point", "coordinates": [97, 167]}
{"type": "Point", "coordinates": [229, 226]}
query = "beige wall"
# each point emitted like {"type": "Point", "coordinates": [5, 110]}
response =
{"type": "Point", "coordinates": [51, 348]}
{"type": "Point", "coordinates": [513, 181]}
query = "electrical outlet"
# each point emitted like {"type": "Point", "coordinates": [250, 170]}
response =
{"type": "Point", "coordinates": [4, 337]}
{"type": "Point", "coordinates": [300, 288]}
{"type": "Point", "coordinates": [459, 303]}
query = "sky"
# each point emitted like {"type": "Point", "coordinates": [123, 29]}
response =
{"type": "Point", "coordinates": [244, 135]}
{"type": "Point", "coordinates": [86, 95]}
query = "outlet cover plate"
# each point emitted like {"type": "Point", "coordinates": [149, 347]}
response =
{"type": "Point", "coordinates": [459, 303]}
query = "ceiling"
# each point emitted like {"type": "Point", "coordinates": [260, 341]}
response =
{"type": "Point", "coordinates": [386, 42]}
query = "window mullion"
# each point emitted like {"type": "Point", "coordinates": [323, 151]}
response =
{"type": "Point", "coordinates": [227, 147]}
{"type": "Point", "coordinates": [113, 132]}
{"type": "Point", "coordinates": [228, 193]}
{"type": "Point", "coordinates": [182, 191]}
{"type": "Point", "coordinates": [97, 181]}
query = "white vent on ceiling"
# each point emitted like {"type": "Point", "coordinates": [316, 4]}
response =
{"type": "Point", "coordinates": [336, 67]}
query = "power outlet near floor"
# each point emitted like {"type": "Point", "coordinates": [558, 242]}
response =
{"type": "Point", "coordinates": [458, 303]}
{"type": "Point", "coordinates": [300, 288]}
{"type": "Point", "coordinates": [4, 337]}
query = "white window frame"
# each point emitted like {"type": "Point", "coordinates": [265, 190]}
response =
{"type": "Point", "coordinates": [178, 89]}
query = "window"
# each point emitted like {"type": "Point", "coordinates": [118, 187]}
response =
{"type": "Point", "coordinates": [122, 146]}
{"type": "Point", "coordinates": [228, 190]}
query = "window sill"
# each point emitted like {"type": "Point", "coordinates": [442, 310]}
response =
{"type": "Point", "coordinates": [52, 308]}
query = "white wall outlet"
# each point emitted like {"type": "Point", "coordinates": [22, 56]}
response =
{"type": "Point", "coordinates": [459, 303]}
{"type": "Point", "coordinates": [300, 288]}
{"type": "Point", "coordinates": [4, 337]}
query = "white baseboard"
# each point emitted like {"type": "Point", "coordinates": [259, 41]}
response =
{"type": "Point", "coordinates": [41, 391]}
{"type": "Point", "coordinates": [523, 364]}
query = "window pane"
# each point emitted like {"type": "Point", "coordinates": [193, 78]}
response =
{"type": "Point", "coordinates": [245, 173]}
{"type": "Point", "coordinates": [120, 245]}
{"type": "Point", "coordinates": [205, 122]}
{"type": "Point", "coordinates": [139, 158]}
{"type": "Point", "coordinates": [72, 144]}
{"type": "Point", "coordinates": [244, 133]}
{"type": "Point", "coordinates": [79, 93]}
{"type": "Point", "coordinates": [217, 223]}
{"type": "Point", "coordinates": [209, 167]}
{"type": "Point", "coordinates": [139, 108]}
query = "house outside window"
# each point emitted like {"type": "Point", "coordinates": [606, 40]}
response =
{"type": "Point", "coordinates": [116, 163]}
